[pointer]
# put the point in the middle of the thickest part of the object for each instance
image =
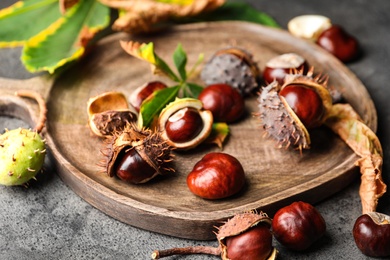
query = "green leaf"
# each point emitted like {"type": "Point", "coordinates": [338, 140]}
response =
{"type": "Point", "coordinates": [65, 40]}
{"type": "Point", "coordinates": [146, 52]}
{"type": "Point", "coordinates": [24, 19]}
{"type": "Point", "coordinates": [192, 90]}
{"type": "Point", "coordinates": [180, 60]}
{"type": "Point", "coordinates": [152, 106]}
{"type": "Point", "coordinates": [237, 11]}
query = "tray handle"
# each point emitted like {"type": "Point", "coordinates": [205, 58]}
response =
{"type": "Point", "coordinates": [23, 108]}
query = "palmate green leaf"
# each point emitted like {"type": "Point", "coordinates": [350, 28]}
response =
{"type": "Point", "coordinates": [180, 60]}
{"type": "Point", "coordinates": [24, 19]}
{"type": "Point", "coordinates": [65, 40]}
{"type": "Point", "coordinates": [146, 52]}
{"type": "Point", "coordinates": [152, 106]}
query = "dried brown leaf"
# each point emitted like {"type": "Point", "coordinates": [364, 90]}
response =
{"type": "Point", "coordinates": [141, 15]}
{"type": "Point", "coordinates": [344, 121]}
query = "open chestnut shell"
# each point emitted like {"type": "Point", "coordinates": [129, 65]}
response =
{"type": "Point", "coordinates": [137, 155]}
{"type": "Point", "coordinates": [184, 124]}
{"type": "Point", "coordinates": [108, 113]}
{"type": "Point", "coordinates": [287, 111]}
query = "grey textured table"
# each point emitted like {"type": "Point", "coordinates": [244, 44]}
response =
{"type": "Point", "coordinates": [49, 221]}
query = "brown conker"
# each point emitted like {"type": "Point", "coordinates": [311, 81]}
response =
{"type": "Point", "coordinates": [298, 225]}
{"type": "Point", "coordinates": [216, 176]}
{"type": "Point", "coordinates": [255, 244]}
{"type": "Point", "coordinates": [278, 67]}
{"type": "Point", "coordinates": [371, 232]}
{"type": "Point", "coordinates": [224, 101]}
{"type": "Point", "coordinates": [340, 43]}
{"type": "Point", "coordinates": [133, 168]}
{"type": "Point", "coordinates": [305, 102]}
{"type": "Point", "coordinates": [143, 92]}
{"type": "Point", "coordinates": [184, 125]}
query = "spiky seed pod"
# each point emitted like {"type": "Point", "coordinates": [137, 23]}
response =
{"type": "Point", "coordinates": [22, 154]}
{"type": "Point", "coordinates": [137, 155]}
{"type": "Point", "coordinates": [252, 234]}
{"type": "Point", "coordinates": [233, 66]}
{"type": "Point", "coordinates": [287, 118]}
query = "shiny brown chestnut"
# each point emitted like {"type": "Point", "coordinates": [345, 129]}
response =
{"type": "Point", "coordinates": [340, 43]}
{"type": "Point", "coordinates": [298, 225]}
{"type": "Point", "coordinates": [305, 102]}
{"type": "Point", "coordinates": [372, 234]}
{"type": "Point", "coordinates": [255, 244]}
{"type": "Point", "coordinates": [224, 101]}
{"type": "Point", "coordinates": [141, 93]}
{"type": "Point", "coordinates": [184, 125]}
{"type": "Point", "coordinates": [278, 67]}
{"type": "Point", "coordinates": [216, 176]}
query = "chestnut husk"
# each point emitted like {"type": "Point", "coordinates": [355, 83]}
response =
{"type": "Point", "coordinates": [279, 120]}
{"type": "Point", "coordinates": [149, 145]}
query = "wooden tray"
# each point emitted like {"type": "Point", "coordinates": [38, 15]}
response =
{"type": "Point", "coordinates": [275, 177]}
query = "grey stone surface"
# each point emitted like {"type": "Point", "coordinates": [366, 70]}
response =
{"type": "Point", "coordinates": [49, 221]}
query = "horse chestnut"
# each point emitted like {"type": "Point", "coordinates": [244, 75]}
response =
{"type": "Point", "coordinates": [305, 102]}
{"type": "Point", "coordinates": [143, 92]}
{"type": "Point", "coordinates": [184, 125]}
{"type": "Point", "coordinates": [133, 168]}
{"type": "Point", "coordinates": [340, 43]}
{"type": "Point", "coordinates": [224, 101]}
{"type": "Point", "coordinates": [298, 226]}
{"type": "Point", "coordinates": [278, 67]}
{"type": "Point", "coordinates": [254, 244]}
{"type": "Point", "coordinates": [372, 234]}
{"type": "Point", "coordinates": [216, 176]}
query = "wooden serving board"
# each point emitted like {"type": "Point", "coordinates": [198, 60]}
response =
{"type": "Point", "coordinates": [275, 177]}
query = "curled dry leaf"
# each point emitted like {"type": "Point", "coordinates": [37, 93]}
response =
{"type": "Point", "coordinates": [142, 15]}
{"type": "Point", "coordinates": [344, 121]}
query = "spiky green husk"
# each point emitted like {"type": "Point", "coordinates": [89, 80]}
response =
{"type": "Point", "coordinates": [22, 154]}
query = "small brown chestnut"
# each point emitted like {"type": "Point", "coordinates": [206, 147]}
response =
{"type": "Point", "coordinates": [133, 168]}
{"type": "Point", "coordinates": [184, 125]}
{"type": "Point", "coordinates": [340, 43]}
{"type": "Point", "coordinates": [278, 67]}
{"type": "Point", "coordinates": [144, 91]}
{"type": "Point", "coordinates": [298, 226]}
{"type": "Point", "coordinates": [255, 244]}
{"type": "Point", "coordinates": [305, 102]}
{"type": "Point", "coordinates": [372, 234]}
{"type": "Point", "coordinates": [224, 101]}
{"type": "Point", "coordinates": [216, 176]}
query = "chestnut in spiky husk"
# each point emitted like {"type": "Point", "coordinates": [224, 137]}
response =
{"type": "Point", "coordinates": [287, 111]}
{"type": "Point", "coordinates": [137, 155]}
{"type": "Point", "coordinates": [233, 66]}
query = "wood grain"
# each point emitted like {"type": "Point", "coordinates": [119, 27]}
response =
{"type": "Point", "coordinates": [274, 177]}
